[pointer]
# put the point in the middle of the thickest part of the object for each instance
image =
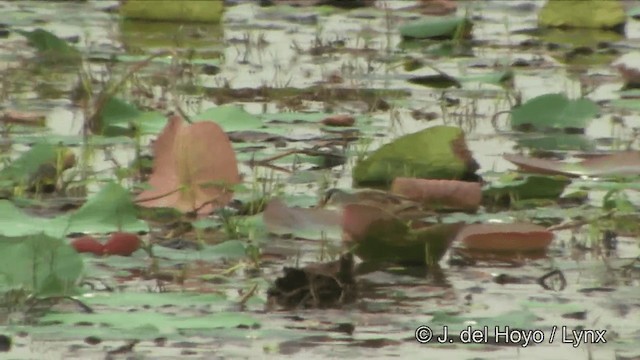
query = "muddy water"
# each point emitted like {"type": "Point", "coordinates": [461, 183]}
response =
{"type": "Point", "coordinates": [262, 47]}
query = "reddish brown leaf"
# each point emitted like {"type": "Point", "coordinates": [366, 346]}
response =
{"type": "Point", "coordinates": [88, 244]}
{"type": "Point", "coordinates": [339, 120]}
{"type": "Point", "coordinates": [123, 244]}
{"type": "Point", "coordinates": [281, 219]}
{"type": "Point", "coordinates": [194, 166]}
{"type": "Point", "coordinates": [440, 193]}
{"type": "Point", "coordinates": [622, 163]}
{"type": "Point", "coordinates": [505, 237]}
{"type": "Point", "coordinates": [23, 118]}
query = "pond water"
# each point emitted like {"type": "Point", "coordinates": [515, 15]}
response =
{"type": "Point", "coordinates": [275, 60]}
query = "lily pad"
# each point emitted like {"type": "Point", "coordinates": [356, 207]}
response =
{"type": "Point", "coordinates": [443, 155]}
{"type": "Point", "coordinates": [380, 236]}
{"type": "Point", "coordinates": [450, 194]}
{"type": "Point", "coordinates": [50, 47]}
{"type": "Point", "coordinates": [553, 111]}
{"type": "Point", "coordinates": [617, 164]}
{"type": "Point", "coordinates": [208, 11]}
{"type": "Point", "coordinates": [505, 237]}
{"type": "Point", "coordinates": [438, 28]}
{"type": "Point", "coordinates": [582, 14]}
{"type": "Point", "coordinates": [307, 223]}
{"type": "Point", "coordinates": [523, 187]}
{"type": "Point", "coordinates": [121, 118]}
{"type": "Point", "coordinates": [230, 118]}
{"type": "Point", "coordinates": [40, 264]}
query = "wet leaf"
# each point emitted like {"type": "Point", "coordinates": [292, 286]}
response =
{"type": "Point", "coordinates": [40, 264]}
{"type": "Point", "coordinates": [617, 164]}
{"type": "Point", "coordinates": [194, 167]}
{"type": "Point", "coordinates": [380, 236]}
{"type": "Point", "coordinates": [450, 194]}
{"type": "Point", "coordinates": [121, 118]}
{"type": "Point", "coordinates": [109, 210]}
{"type": "Point", "coordinates": [523, 187]}
{"type": "Point", "coordinates": [582, 14]}
{"type": "Point", "coordinates": [207, 11]}
{"type": "Point", "coordinates": [443, 155]}
{"type": "Point", "coordinates": [231, 118]}
{"type": "Point", "coordinates": [560, 141]}
{"type": "Point", "coordinates": [50, 47]}
{"type": "Point", "coordinates": [308, 223]}
{"type": "Point", "coordinates": [505, 237]}
{"type": "Point", "coordinates": [553, 111]}
{"type": "Point", "coordinates": [339, 120]}
{"type": "Point", "coordinates": [436, 28]}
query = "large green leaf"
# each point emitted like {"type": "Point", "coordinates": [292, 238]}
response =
{"type": "Point", "coordinates": [208, 11]}
{"type": "Point", "coordinates": [553, 111]}
{"type": "Point", "coordinates": [109, 210]}
{"type": "Point", "coordinates": [435, 28]}
{"type": "Point", "coordinates": [40, 264]}
{"type": "Point", "coordinates": [119, 117]}
{"type": "Point", "coordinates": [523, 187]}
{"type": "Point", "coordinates": [230, 118]}
{"type": "Point", "coordinates": [27, 165]}
{"type": "Point", "coordinates": [442, 155]}
{"type": "Point", "coordinates": [50, 47]}
{"type": "Point", "coordinates": [582, 14]}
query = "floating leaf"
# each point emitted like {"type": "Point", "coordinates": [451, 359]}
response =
{"type": "Point", "coordinates": [443, 80]}
{"type": "Point", "coordinates": [523, 187]}
{"type": "Point", "coordinates": [617, 164]}
{"type": "Point", "coordinates": [582, 14]}
{"type": "Point", "coordinates": [207, 11]}
{"type": "Point", "coordinates": [230, 118]}
{"type": "Point", "coordinates": [40, 264]}
{"type": "Point", "coordinates": [88, 244]}
{"type": "Point", "coordinates": [443, 155]}
{"type": "Point", "coordinates": [553, 111]}
{"type": "Point", "coordinates": [109, 210]}
{"type": "Point", "coordinates": [437, 28]}
{"type": "Point", "coordinates": [505, 237]}
{"type": "Point", "coordinates": [440, 193]}
{"type": "Point", "coordinates": [194, 167]}
{"type": "Point", "coordinates": [121, 118]}
{"type": "Point", "coordinates": [121, 243]}
{"type": "Point", "coordinates": [308, 223]}
{"type": "Point", "coordinates": [382, 237]}
{"type": "Point", "coordinates": [339, 120]}
{"type": "Point", "coordinates": [50, 47]}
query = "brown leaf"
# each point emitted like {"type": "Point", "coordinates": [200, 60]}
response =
{"type": "Point", "coordinates": [621, 163]}
{"type": "Point", "coordinates": [440, 193]}
{"type": "Point", "coordinates": [193, 167]}
{"type": "Point", "coordinates": [339, 120]}
{"type": "Point", "coordinates": [505, 237]}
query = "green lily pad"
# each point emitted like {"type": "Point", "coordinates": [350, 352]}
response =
{"type": "Point", "coordinates": [553, 111]}
{"type": "Point", "coordinates": [230, 118]}
{"type": "Point", "coordinates": [629, 104]}
{"type": "Point", "coordinates": [443, 155]}
{"type": "Point", "coordinates": [40, 264]}
{"type": "Point", "coordinates": [445, 81]}
{"type": "Point", "coordinates": [50, 47]}
{"type": "Point", "coordinates": [436, 28]}
{"type": "Point", "coordinates": [119, 118]}
{"type": "Point", "coordinates": [562, 141]}
{"type": "Point", "coordinates": [109, 210]}
{"type": "Point", "coordinates": [524, 187]}
{"type": "Point", "coordinates": [207, 11]}
{"type": "Point", "coordinates": [595, 14]}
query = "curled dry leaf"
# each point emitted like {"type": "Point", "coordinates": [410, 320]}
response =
{"type": "Point", "coordinates": [440, 193]}
{"type": "Point", "coordinates": [339, 120]}
{"type": "Point", "coordinates": [505, 237]}
{"type": "Point", "coordinates": [194, 166]}
{"type": "Point", "coordinates": [621, 163]}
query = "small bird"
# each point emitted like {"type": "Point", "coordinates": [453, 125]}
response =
{"type": "Point", "coordinates": [398, 205]}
